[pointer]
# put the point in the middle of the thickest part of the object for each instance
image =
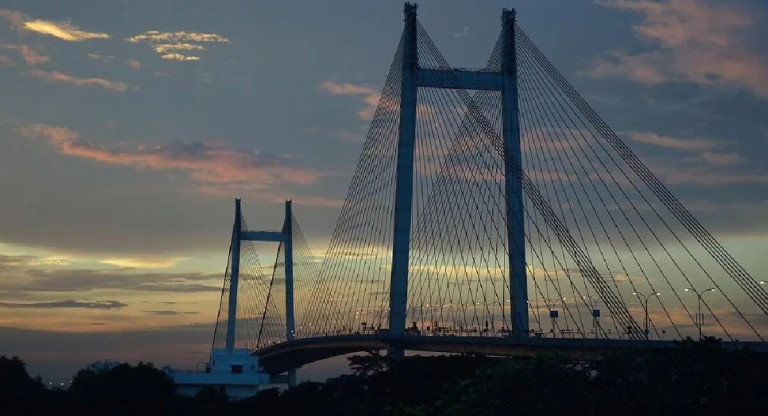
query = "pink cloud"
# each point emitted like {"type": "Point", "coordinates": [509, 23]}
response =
{"type": "Point", "coordinates": [692, 144]}
{"type": "Point", "coordinates": [722, 159]}
{"type": "Point", "coordinates": [370, 96]}
{"type": "Point", "coordinates": [56, 76]}
{"type": "Point", "coordinates": [698, 42]}
{"type": "Point", "coordinates": [215, 167]}
{"type": "Point", "coordinates": [13, 17]}
{"type": "Point", "coordinates": [30, 56]}
{"type": "Point", "coordinates": [704, 176]}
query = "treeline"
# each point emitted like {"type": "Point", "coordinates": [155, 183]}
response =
{"type": "Point", "coordinates": [699, 378]}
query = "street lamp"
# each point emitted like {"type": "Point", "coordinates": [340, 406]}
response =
{"type": "Point", "coordinates": [699, 295]}
{"type": "Point", "coordinates": [641, 296]}
{"type": "Point", "coordinates": [553, 314]}
{"type": "Point", "coordinates": [595, 312]}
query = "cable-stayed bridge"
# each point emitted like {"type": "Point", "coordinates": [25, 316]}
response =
{"type": "Point", "coordinates": [493, 211]}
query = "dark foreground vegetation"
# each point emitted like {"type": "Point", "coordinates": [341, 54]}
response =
{"type": "Point", "coordinates": [700, 378]}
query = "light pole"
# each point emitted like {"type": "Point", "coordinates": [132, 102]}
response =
{"type": "Point", "coordinates": [641, 296]}
{"type": "Point", "coordinates": [699, 295]}
{"type": "Point", "coordinates": [553, 314]}
{"type": "Point", "coordinates": [595, 312]}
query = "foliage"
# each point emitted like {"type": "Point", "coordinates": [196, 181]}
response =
{"type": "Point", "coordinates": [696, 378]}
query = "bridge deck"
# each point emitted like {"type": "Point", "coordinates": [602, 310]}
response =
{"type": "Point", "coordinates": [294, 354]}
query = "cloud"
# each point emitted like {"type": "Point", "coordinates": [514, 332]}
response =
{"type": "Point", "coordinates": [134, 64]}
{"type": "Point", "coordinates": [348, 136]}
{"type": "Point", "coordinates": [698, 42]}
{"type": "Point", "coordinates": [20, 277]}
{"type": "Point", "coordinates": [29, 55]}
{"type": "Point", "coordinates": [173, 47]}
{"type": "Point", "coordinates": [694, 144]}
{"type": "Point", "coordinates": [56, 76]}
{"type": "Point", "coordinates": [463, 33]}
{"type": "Point", "coordinates": [722, 159]}
{"type": "Point", "coordinates": [14, 18]}
{"type": "Point", "coordinates": [370, 96]}
{"type": "Point", "coordinates": [155, 36]}
{"type": "Point", "coordinates": [179, 57]}
{"type": "Point", "coordinates": [4, 60]}
{"type": "Point", "coordinates": [62, 30]}
{"type": "Point", "coordinates": [11, 262]}
{"type": "Point", "coordinates": [308, 200]}
{"type": "Point", "coordinates": [705, 176]}
{"type": "Point", "coordinates": [207, 164]}
{"type": "Point", "coordinates": [704, 148]}
{"type": "Point", "coordinates": [143, 263]}
{"type": "Point", "coordinates": [107, 304]}
{"type": "Point", "coordinates": [169, 313]}
{"type": "Point", "coordinates": [169, 44]}
{"type": "Point", "coordinates": [99, 57]}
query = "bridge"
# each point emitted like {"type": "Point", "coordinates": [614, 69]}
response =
{"type": "Point", "coordinates": [491, 211]}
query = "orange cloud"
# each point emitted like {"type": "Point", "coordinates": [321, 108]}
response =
{"type": "Point", "coordinates": [156, 36]}
{"type": "Point", "coordinates": [62, 30]}
{"type": "Point", "coordinates": [698, 42]}
{"type": "Point", "coordinates": [179, 57]}
{"type": "Point", "coordinates": [211, 165]}
{"type": "Point", "coordinates": [143, 263]}
{"type": "Point", "coordinates": [56, 76]}
{"type": "Point", "coordinates": [169, 44]}
{"type": "Point", "coordinates": [134, 64]}
{"type": "Point", "coordinates": [168, 47]}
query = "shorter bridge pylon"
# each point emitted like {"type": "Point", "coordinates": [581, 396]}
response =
{"type": "Point", "coordinates": [233, 366]}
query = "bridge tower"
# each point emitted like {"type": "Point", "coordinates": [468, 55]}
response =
{"type": "Point", "coordinates": [237, 369]}
{"type": "Point", "coordinates": [285, 236]}
{"type": "Point", "coordinates": [505, 81]}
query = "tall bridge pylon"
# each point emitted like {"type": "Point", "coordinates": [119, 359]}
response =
{"type": "Point", "coordinates": [413, 77]}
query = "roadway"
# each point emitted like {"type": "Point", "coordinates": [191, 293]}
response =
{"type": "Point", "coordinates": [278, 358]}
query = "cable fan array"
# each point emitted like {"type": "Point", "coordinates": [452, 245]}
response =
{"type": "Point", "coordinates": [603, 235]}
{"type": "Point", "coordinates": [600, 229]}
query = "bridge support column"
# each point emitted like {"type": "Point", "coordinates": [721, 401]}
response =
{"type": "Point", "coordinates": [290, 321]}
{"type": "Point", "coordinates": [404, 184]}
{"type": "Point", "coordinates": [292, 378]}
{"type": "Point", "coordinates": [234, 278]}
{"type": "Point", "coordinates": [518, 276]}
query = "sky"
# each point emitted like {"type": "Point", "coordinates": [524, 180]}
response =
{"type": "Point", "coordinates": [128, 127]}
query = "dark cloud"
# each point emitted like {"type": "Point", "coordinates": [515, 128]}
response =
{"type": "Point", "coordinates": [81, 304]}
{"type": "Point", "coordinates": [169, 302]}
{"type": "Point", "coordinates": [169, 313]}
{"type": "Point", "coordinates": [22, 278]}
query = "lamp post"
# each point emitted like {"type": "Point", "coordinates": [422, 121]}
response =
{"type": "Point", "coordinates": [553, 314]}
{"type": "Point", "coordinates": [645, 298]}
{"type": "Point", "coordinates": [699, 319]}
{"type": "Point", "coordinates": [595, 312]}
